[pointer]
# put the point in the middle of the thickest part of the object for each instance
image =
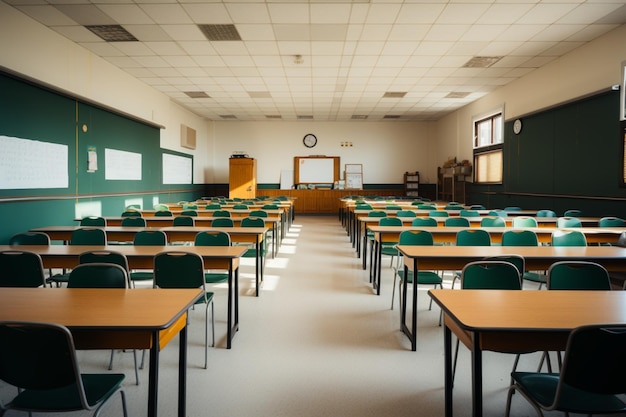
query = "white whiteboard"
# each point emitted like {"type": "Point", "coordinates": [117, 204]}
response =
{"type": "Point", "coordinates": [177, 169]}
{"type": "Point", "coordinates": [121, 165]}
{"type": "Point", "coordinates": [26, 163]}
{"type": "Point", "coordinates": [354, 181]}
{"type": "Point", "coordinates": [316, 170]}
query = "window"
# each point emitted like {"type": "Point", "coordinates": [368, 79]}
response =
{"type": "Point", "coordinates": [488, 139]}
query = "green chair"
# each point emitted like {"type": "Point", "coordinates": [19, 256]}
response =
{"type": "Point", "coordinates": [573, 213]}
{"type": "Point", "coordinates": [190, 207]}
{"type": "Point", "coordinates": [221, 213]}
{"type": "Point", "coordinates": [251, 252]}
{"type": "Point", "coordinates": [184, 221]}
{"type": "Point", "coordinates": [368, 237]}
{"type": "Point", "coordinates": [240, 207]}
{"type": "Point", "coordinates": [512, 208]}
{"type": "Point", "coordinates": [405, 213]}
{"type": "Point", "coordinates": [453, 206]}
{"type": "Point", "coordinates": [438, 213]}
{"type": "Point", "coordinates": [213, 206]}
{"type": "Point", "coordinates": [163, 213]}
{"type": "Point", "coordinates": [524, 221]}
{"type": "Point", "coordinates": [186, 270]}
{"type": "Point", "coordinates": [578, 275]}
{"type": "Point", "coordinates": [275, 207]}
{"type": "Point", "coordinates": [610, 221]}
{"type": "Point", "coordinates": [469, 213]}
{"type": "Point", "coordinates": [105, 256]}
{"type": "Point", "coordinates": [160, 207]}
{"type": "Point", "coordinates": [213, 238]}
{"type": "Point", "coordinates": [146, 238]}
{"type": "Point", "coordinates": [133, 222]}
{"type": "Point", "coordinates": [477, 207]}
{"type": "Point", "coordinates": [545, 213]}
{"type": "Point", "coordinates": [427, 207]}
{"type": "Point", "coordinates": [456, 222]}
{"type": "Point", "coordinates": [492, 221]}
{"type": "Point", "coordinates": [591, 380]}
{"type": "Point", "coordinates": [498, 213]}
{"type": "Point", "coordinates": [393, 207]}
{"type": "Point", "coordinates": [40, 360]}
{"type": "Point", "coordinates": [424, 222]}
{"type": "Point", "coordinates": [563, 222]}
{"type": "Point", "coordinates": [258, 213]}
{"type": "Point", "coordinates": [524, 237]}
{"type": "Point", "coordinates": [31, 238]}
{"type": "Point", "coordinates": [20, 268]}
{"type": "Point", "coordinates": [415, 238]}
{"type": "Point", "coordinates": [189, 213]}
{"type": "Point", "coordinates": [93, 221]}
{"type": "Point", "coordinates": [568, 238]}
{"type": "Point", "coordinates": [223, 222]}
{"type": "Point", "coordinates": [90, 236]}
{"type": "Point", "coordinates": [471, 237]}
{"type": "Point", "coordinates": [131, 213]}
{"type": "Point", "coordinates": [389, 248]}
{"type": "Point", "coordinates": [489, 275]}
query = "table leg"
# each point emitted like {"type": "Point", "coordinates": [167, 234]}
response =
{"type": "Point", "coordinates": [447, 344]}
{"type": "Point", "coordinates": [182, 373]}
{"type": "Point", "coordinates": [412, 332]}
{"type": "Point", "coordinates": [477, 378]}
{"type": "Point", "coordinates": [153, 376]}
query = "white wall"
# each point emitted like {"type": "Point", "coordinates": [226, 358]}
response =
{"type": "Point", "coordinates": [34, 51]}
{"type": "Point", "coordinates": [386, 149]}
{"type": "Point", "coordinates": [588, 69]}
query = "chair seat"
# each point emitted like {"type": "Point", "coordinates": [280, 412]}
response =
{"type": "Point", "coordinates": [535, 277]}
{"type": "Point", "coordinates": [141, 276]}
{"type": "Point", "coordinates": [97, 388]}
{"type": "Point", "coordinates": [423, 277]}
{"type": "Point", "coordinates": [215, 277]}
{"type": "Point", "coordinates": [542, 387]}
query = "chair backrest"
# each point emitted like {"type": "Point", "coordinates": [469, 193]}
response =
{"type": "Point", "coordinates": [389, 221]}
{"type": "Point", "coordinates": [393, 207]}
{"type": "Point", "coordinates": [594, 359]}
{"type": "Point", "coordinates": [274, 207]}
{"type": "Point", "coordinates": [184, 221]}
{"type": "Point", "coordinates": [192, 213]}
{"type": "Point", "coordinates": [416, 238]}
{"type": "Point", "coordinates": [240, 207]}
{"type": "Point", "coordinates": [131, 213]}
{"type": "Point", "coordinates": [357, 207]}
{"type": "Point", "coordinates": [405, 213]}
{"type": "Point", "coordinates": [103, 256]}
{"type": "Point", "coordinates": [98, 275]}
{"type": "Point", "coordinates": [258, 213]}
{"type": "Point", "coordinates": [453, 206]}
{"type": "Point", "coordinates": [424, 222]}
{"type": "Point", "coordinates": [578, 275]}
{"type": "Point", "coordinates": [30, 238]}
{"type": "Point", "coordinates": [20, 268]}
{"type": "Point", "coordinates": [222, 222]}
{"type": "Point", "coordinates": [477, 207]}
{"type": "Point", "coordinates": [213, 206]}
{"type": "Point", "coordinates": [524, 221]}
{"type": "Point", "coordinates": [469, 213]}
{"type": "Point", "coordinates": [492, 221]}
{"type": "Point", "coordinates": [438, 213]}
{"type": "Point", "coordinates": [178, 270]}
{"type": "Point", "coordinates": [252, 222]}
{"type": "Point", "coordinates": [611, 221]}
{"type": "Point", "coordinates": [517, 260]}
{"type": "Point", "coordinates": [25, 357]}
{"type": "Point", "coordinates": [498, 213]}
{"type": "Point", "coordinates": [93, 221]}
{"type": "Point", "coordinates": [512, 208]}
{"type": "Point", "coordinates": [160, 207]}
{"type": "Point", "coordinates": [212, 238]}
{"type": "Point", "coordinates": [573, 213]}
{"type": "Point", "coordinates": [133, 222]}
{"type": "Point", "coordinates": [568, 222]}
{"type": "Point", "coordinates": [150, 238]}
{"type": "Point", "coordinates": [457, 222]}
{"type": "Point", "coordinates": [428, 207]}
{"type": "Point", "coordinates": [221, 213]}
{"type": "Point", "coordinates": [88, 236]}
{"type": "Point", "coordinates": [190, 207]}
{"type": "Point", "coordinates": [377, 213]}
{"type": "Point", "coordinates": [163, 213]}
{"type": "Point", "coordinates": [519, 237]}
{"type": "Point", "coordinates": [568, 238]}
{"type": "Point", "coordinates": [473, 237]}
{"type": "Point", "coordinates": [545, 213]}
{"type": "Point", "coordinates": [491, 275]}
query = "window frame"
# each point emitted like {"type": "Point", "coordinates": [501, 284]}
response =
{"type": "Point", "coordinates": [494, 147]}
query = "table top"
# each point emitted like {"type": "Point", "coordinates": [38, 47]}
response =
{"type": "Point", "coordinates": [531, 310]}
{"type": "Point", "coordinates": [82, 308]}
{"type": "Point", "coordinates": [166, 229]}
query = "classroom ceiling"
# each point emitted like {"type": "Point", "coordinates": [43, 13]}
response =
{"type": "Point", "coordinates": [327, 60]}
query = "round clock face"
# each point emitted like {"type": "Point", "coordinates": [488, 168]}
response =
{"type": "Point", "coordinates": [309, 140]}
{"type": "Point", "coordinates": [517, 126]}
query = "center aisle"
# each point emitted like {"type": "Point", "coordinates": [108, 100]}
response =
{"type": "Point", "coordinates": [315, 343]}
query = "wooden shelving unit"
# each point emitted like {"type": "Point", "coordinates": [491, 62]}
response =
{"type": "Point", "coordinates": [411, 184]}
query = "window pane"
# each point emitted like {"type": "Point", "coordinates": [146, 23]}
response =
{"type": "Point", "coordinates": [497, 129]}
{"type": "Point", "coordinates": [483, 131]}
{"type": "Point", "coordinates": [488, 167]}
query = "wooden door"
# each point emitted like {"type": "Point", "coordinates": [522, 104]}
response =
{"type": "Point", "coordinates": [242, 178]}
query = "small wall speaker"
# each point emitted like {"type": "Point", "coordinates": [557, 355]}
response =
{"type": "Point", "coordinates": [187, 137]}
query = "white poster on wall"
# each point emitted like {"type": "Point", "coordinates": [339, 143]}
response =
{"type": "Point", "coordinates": [121, 165]}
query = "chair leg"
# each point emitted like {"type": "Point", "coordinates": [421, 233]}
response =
{"type": "Point", "coordinates": [136, 367]}
{"type": "Point", "coordinates": [393, 290]}
{"type": "Point", "coordinates": [111, 359]}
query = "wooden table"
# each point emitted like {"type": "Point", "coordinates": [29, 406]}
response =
{"type": "Point", "coordinates": [141, 319]}
{"type": "Point", "coordinates": [511, 321]}
{"type": "Point", "coordinates": [142, 257]}
{"type": "Point", "coordinates": [428, 258]}
{"type": "Point", "coordinates": [254, 235]}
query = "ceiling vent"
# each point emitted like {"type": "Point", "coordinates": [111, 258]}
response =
{"type": "Point", "coordinates": [228, 116]}
{"type": "Point", "coordinates": [259, 94]}
{"type": "Point", "coordinates": [305, 117]}
{"type": "Point", "coordinates": [112, 33]}
{"type": "Point", "coordinates": [394, 94]}
{"type": "Point", "coordinates": [457, 94]}
{"type": "Point", "coordinates": [197, 94]}
{"type": "Point", "coordinates": [273, 116]}
{"type": "Point", "coordinates": [220, 32]}
{"type": "Point", "coordinates": [359, 117]}
{"type": "Point", "coordinates": [391, 116]}
{"type": "Point", "coordinates": [482, 61]}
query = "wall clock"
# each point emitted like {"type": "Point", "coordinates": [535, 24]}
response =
{"type": "Point", "coordinates": [309, 140]}
{"type": "Point", "coordinates": [517, 126]}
